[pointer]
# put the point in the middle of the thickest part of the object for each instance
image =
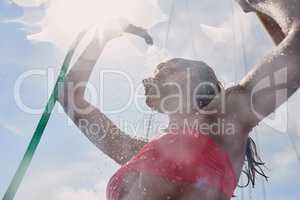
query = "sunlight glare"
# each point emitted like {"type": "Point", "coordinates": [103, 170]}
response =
{"type": "Point", "coordinates": [65, 18]}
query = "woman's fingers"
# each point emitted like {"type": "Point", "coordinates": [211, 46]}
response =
{"type": "Point", "coordinates": [118, 26]}
{"type": "Point", "coordinates": [141, 32]}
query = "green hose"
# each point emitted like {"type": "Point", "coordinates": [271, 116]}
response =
{"type": "Point", "coordinates": [38, 133]}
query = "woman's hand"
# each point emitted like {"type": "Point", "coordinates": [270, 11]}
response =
{"type": "Point", "coordinates": [116, 29]}
{"type": "Point", "coordinates": [140, 32]}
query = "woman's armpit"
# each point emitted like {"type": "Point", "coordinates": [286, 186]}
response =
{"type": "Point", "coordinates": [240, 107]}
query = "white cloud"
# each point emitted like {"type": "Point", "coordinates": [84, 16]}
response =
{"type": "Point", "coordinates": [85, 179]}
{"type": "Point", "coordinates": [11, 128]}
{"type": "Point", "coordinates": [29, 3]}
{"type": "Point", "coordinates": [285, 165]}
{"type": "Point", "coordinates": [63, 19]}
{"type": "Point", "coordinates": [72, 194]}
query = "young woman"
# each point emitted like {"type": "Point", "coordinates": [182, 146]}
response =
{"type": "Point", "coordinates": [202, 153]}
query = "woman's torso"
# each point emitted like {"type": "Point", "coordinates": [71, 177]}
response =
{"type": "Point", "coordinates": [133, 189]}
{"type": "Point", "coordinates": [140, 186]}
{"type": "Point", "coordinates": [232, 142]}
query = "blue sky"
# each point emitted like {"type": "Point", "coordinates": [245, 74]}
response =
{"type": "Point", "coordinates": [66, 165]}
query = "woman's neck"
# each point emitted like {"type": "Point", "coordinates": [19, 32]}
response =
{"type": "Point", "coordinates": [195, 122]}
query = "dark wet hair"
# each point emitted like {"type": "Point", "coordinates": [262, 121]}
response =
{"type": "Point", "coordinates": [253, 164]}
{"type": "Point", "coordinates": [205, 74]}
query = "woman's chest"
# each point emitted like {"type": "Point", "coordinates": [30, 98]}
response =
{"type": "Point", "coordinates": [141, 186]}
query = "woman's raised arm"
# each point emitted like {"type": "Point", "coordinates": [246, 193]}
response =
{"type": "Point", "coordinates": [98, 128]}
{"type": "Point", "coordinates": [273, 80]}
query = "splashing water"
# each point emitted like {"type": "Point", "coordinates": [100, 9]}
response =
{"type": "Point", "coordinates": [63, 19]}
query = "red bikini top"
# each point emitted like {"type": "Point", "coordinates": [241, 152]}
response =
{"type": "Point", "coordinates": [183, 155]}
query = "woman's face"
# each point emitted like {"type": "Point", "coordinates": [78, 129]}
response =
{"type": "Point", "coordinates": [173, 87]}
{"type": "Point", "coordinates": [160, 89]}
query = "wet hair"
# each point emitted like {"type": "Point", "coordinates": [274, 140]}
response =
{"type": "Point", "coordinates": [203, 73]}
{"type": "Point", "coordinates": [253, 163]}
